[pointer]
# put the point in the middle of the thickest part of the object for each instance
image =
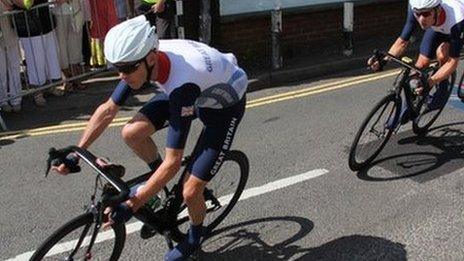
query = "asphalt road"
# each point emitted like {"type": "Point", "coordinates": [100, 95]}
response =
{"type": "Point", "coordinates": [408, 206]}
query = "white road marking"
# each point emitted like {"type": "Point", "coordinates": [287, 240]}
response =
{"type": "Point", "coordinates": [136, 226]}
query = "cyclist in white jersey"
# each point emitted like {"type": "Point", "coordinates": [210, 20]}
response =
{"type": "Point", "coordinates": [197, 82]}
{"type": "Point", "coordinates": [443, 22]}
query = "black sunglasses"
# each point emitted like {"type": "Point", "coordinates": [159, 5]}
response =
{"type": "Point", "coordinates": [128, 68]}
{"type": "Point", "coordinates": [423, 13]}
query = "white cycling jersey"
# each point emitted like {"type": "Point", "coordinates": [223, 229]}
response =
{"type": "Point", "coordinates": [204, 66]}
{"type": "Point", "coordinates": [454, 10]}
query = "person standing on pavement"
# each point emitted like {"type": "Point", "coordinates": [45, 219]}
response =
{"type": "Point", "coordinates": [121, 10]}
{"type": "Point", "coordinates": [36, 31]}
{"type": "Point", "coordinates": [104, 17]}
{"type": "Point", "coordinates": [10, 82]}
{"type": "Point", "coordinates": [69, 25]}
{"type": "Point", "coordinates": [165, 11]}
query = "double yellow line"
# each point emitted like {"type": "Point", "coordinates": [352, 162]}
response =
{"type": "Point", "coordinates": [250, 104]}
{"type": "Point", "coordinates": [320, 89]}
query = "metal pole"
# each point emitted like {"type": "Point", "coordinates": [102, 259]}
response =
{"type": "Point", "coordinates": [180, 19]}
{"type": "Point", "coordinates": [276, 30]}
{"type": "Point", "coordinates": [348, 17]}
{"type": "Point", "coordinates": [205, 22]}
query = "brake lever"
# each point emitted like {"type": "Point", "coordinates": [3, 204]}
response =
{"type": "Point", "coordinates": [57, 157]}
{"type": "Point", "coordinates": [49, 165]}
{"type": "Point", "coordinates": [52, 153]}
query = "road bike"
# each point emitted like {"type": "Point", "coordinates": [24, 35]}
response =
{"type": "Point", "coordinates": [82, 238]}
{"type": "Point", "coordinates": [384, 119]}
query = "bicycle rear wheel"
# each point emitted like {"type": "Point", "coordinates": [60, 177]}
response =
{"type": "Point", "coordinates": [221, 194]}
{"type": "Point", "coordinates": [71, 241]}
{"type": "Point", "coordinates": [427, 117]}
{"type": "Point", "coordinates": [374, 132]}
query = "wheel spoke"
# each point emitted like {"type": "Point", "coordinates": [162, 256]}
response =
{"type": "Point", "coordinates": [374, 132]}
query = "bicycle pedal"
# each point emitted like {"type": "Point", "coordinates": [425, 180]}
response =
{"type": "Point", "coordinates": [147, 232]}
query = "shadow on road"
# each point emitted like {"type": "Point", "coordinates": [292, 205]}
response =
{"type": "Point", "coordinates": [262, 239]}
{"type": "Point", "coordinates": [422, 158]}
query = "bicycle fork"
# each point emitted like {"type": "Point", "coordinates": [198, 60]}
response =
{"type": "Point", "coordinates": [97, 221]}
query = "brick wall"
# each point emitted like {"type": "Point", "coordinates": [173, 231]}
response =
{"type": "Point", "coordinates": [306, 31]}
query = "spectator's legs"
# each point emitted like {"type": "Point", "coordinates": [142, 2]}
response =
{"type": "Point", "coordinates": [110, 14]}
{"type": "Point", "coordinates": [121, 8]}
{"type": "Point", "coordinates": [35, 60]}
{"type": "Point", "coordinates": [165, 22]}
{"type": "Point", "coordinates": [14, 80]}
{"type": "Point", "coordinates": [61, 30]}
{"type": "Point", "coordinates": [70, 46]}
{"type": "Point", "coordinates": [163, 28]}
{"type": "Point", "coordinates": [62, 33]}
{"type": "Point", "coordinates": [4, 82]}
{"type": "Point", "coordinates": [93, 52]}
{"type": "Point", "coordinates": [42, 61]}
{"type": "Point", "coordinates": [52, 61]}
{"type": "Point", "coordinates": [86, 44]}
{"type": "Point", "coordinates": [99, 53]}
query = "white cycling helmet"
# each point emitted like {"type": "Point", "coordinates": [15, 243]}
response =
{"type": "Point", "coordinates": [424, 4]}
{"type": "Point", "coordinates": [130, 40]}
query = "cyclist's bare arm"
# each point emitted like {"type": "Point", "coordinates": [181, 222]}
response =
{"type": "Point", "coordinates": [165, 172]}
{"type": "Point", "coordinates": [399, 47]}
{"type": "Point", "coordinates": [99, 121]}
{"type": "Point", "coordinates": [101, 118]}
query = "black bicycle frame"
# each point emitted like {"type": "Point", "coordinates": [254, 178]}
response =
{"type": "Point", "coordinates": [163, 220]}
{"type": "Point", "coordinates": [403, 85]}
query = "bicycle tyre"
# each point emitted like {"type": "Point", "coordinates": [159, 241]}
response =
{"type": "Point", "coordinates": [242, 160]}
{"type": "Point", "coordinates": [420, 128]}
{"type": "Point", "coordinates": [355, 164]}
{"type": "Point", "coordinates": [73, 225]}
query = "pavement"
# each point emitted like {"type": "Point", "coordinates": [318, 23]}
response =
{"type": "Point", "coordinates": [78, 106]}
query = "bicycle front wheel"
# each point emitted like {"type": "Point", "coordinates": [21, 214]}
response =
{"type": "Point", "coordinates": [374, 132]}
{"type": "Point", "coordinates": [72, 240]}
{"type": "Point", "coordinates": [427, 116]}
{"type": "Point", "coordinates": [221, 193]}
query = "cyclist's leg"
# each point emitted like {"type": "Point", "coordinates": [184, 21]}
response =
{"type": "Point", "coordinates": [216, 140]}
{"type": "Point", "coordinates": [442, 55]}
{"type": "Point", "coordinates": [193, 197]}
{"type": "Point", "coordinates": [217, 137]}
{"type": "Point", "coordinates": [443, 52]}
{"type": "Point", "coordinates": [428, 48]}
{"type": "Point", "coordinates": [136, 133]}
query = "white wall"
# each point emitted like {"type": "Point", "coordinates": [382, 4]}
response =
{"type": "Point", "coordinates": [232, 7]}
